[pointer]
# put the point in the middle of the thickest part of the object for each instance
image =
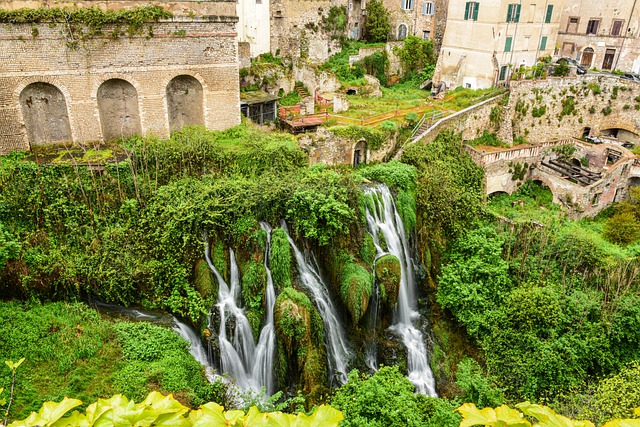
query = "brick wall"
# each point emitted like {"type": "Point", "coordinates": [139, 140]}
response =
{"type": "Point", "coordinates": [204, 48]}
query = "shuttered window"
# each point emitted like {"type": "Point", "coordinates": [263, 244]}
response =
{"type": "Point", "coordinates": [543, 43]}
{"type": "Point", "coordinates": [507, 44]}
{"type": "Point", "coordinates": [427, 8]}
{"type": "Point", "coordinates": [513, 13]}
{"type": "Point", "coordinates": [471, 11]}
{"type": "Point", "coordinates": [547, 18]}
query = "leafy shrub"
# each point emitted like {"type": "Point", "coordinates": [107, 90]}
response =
{"type": "Point", "coordinates": [387, 399]}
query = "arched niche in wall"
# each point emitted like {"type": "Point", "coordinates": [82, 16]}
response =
{"type": "Point", "coordinates": [45, 113]}
{"type": "Point", "coordinates": [360, 153]}
{"type": "Point", "coordinates": [118, 106]}
{"type": "Point", "coordinates": [184, 102]}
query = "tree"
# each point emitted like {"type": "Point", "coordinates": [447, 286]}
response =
{"type": "Point", "coordinates": [415, 54]}
{"type": "Point", "coordinates": [377, 26]}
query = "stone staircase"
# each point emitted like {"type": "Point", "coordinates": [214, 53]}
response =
{"type": "Point", "coordinates": [301, 90]}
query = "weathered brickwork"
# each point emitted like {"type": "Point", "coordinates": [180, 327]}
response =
{"type": "Point", "coordinates": [203, 48]}
{"type": "Point", "coordinates": [614, 107]}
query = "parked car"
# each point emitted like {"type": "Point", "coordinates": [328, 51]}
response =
{"type": "Point", "coordinates": [631, 76]}
{"type": "Point", "coordinates": [580, 69]}
{"type": "Point", "coordinates": [593, 139]}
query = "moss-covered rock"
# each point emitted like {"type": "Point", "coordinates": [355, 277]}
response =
{"type": "Point", "coordinates": [368, 251]}
{"type": "Point", "coordinates": [300, 332]}
{"type": "Point", "coordinates": [355, 289]}
{"type": "Point", "coordinates": [219, 258]}
{"type": "Point", "coordinates": [204, 282]}
{"type": "Point", "coordinates": [388, 274]}
{"type": "Point", "coordinates": [280, 260]}
{"type": "Point", "coordinates": [254, 285]}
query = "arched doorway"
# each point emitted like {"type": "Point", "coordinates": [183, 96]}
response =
{"type": "Point", "coordinates": [184, 102]}
{"type": "Point", "coordinates": [359, 153]}
{"type": "Point", "coordinates": [118, 107]}
{"type": "Point", "coordinates": [402, 32]}
{"type": "Point", "coordinates": [587, 57]}
{"type": "Point", "coordinates": [45, 113]}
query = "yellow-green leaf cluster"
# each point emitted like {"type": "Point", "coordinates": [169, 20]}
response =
{"type": "Point", "coordinates": [165, 411]}
{"type": "Point", "coordinates": [503, 416]}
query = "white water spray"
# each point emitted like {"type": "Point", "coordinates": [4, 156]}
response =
{"type": "Point", "coordinates": [337, 347]}
{"type": "Point", "coordinates": [386, 220]}
{"type": "Point", "coordinates": [249, 365]}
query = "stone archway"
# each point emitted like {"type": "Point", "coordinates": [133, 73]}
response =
{"type": "Point", "coordinates": [118, 107]}
{"type": "Point", "coordinates": [360, 153]}
{"type": "Point", "coordinates": [44, 110]}
{"type": "Point", "coordinates": [496, 194]}
{"type": "Point", "coordinates": [184, 102]}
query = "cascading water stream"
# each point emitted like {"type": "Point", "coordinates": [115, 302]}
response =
{"type": "Point", "coordinates": [386, 220]}
{"type": "Point", "coordinates": [371, 346]}
{"type": "Point", "coordinates": [338, 351]}
{"type": "Point", "coordinates": [249, 365]}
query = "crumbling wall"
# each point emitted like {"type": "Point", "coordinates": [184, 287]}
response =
{"type": "Point", "coordinates": [203, 48]}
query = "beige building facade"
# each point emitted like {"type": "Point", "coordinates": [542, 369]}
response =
{"type": "Point", "coordinates": [601, 34]}
{"type": "Point", "coordinates": [485, 41]}
{"type": "Point", "coordinates": [179, 71]}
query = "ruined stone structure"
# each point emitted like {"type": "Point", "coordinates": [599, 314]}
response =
{"type": "Point", "coordinates": [592, 104]}
{"type": "Point", "coordinates": [483, 41]}
{"type": "Point", "coordinates": [601, 34]}
{"type": "Point", "coordinates": [613, 167]}
{"type": "Point", "coordinates": [105, 88]}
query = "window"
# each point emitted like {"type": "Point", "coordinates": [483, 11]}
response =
{"type": "Point", "coordinates": [568, 48]}
{"type": "Point", "coordinates": [402, 32]}
{"type": "Point", "coordinates": [572, 24]}
{"type": "Point", "coordinates": [427, 8]}
{"type": "Point", "coordinates": [547, 19]}
{"type": "Point", "coordinates": [543, 43]}
{"type": "Point", "coordinates": [407, 4]}
{"type": "Point", "coordinates": [616, 27]}
{"type": "Point", "coordinates": [507, 44]}
{"type": "Point", "coordinates": [513, 13]}
{"type": "Point", "coordinates": [350, 6]}
{"type": "Point", "coordinates": [592, 26]}
{"type": "Point", "coordinates": [471, 11]}
{"type": "Point", "coordinates": [426, 35]}
{"type": "Point", "coordinates": [503, 72]}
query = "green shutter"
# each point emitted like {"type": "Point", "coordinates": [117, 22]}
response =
{"type": "Point", "coordinates": [547, 19]}
{"type": "Point", "coordinates": [475, 11]}
{"type": "Point", "coordinates": [509, 12]}
{"type": "Point", "coordinates": [517, 17]}
{"type": "Point", "coordinates": [507, 45]}
{"type": "Point", "coordinates": [503, 72]}
{"type": "Point", "coordinates": [543, 43]}
{"type": "Point", "coordinates": [466, 11]}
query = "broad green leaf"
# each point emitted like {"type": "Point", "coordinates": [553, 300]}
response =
{"type": "Point", "coordinates": [278, 419]}
{"type": "Point", "coordinates": [209, 415]}
{"type": "Point", "coordinates": [255, 418]}
{"type": "Point", "coordinates": [548, 418]}
{"type": "Point", "coordinates": [172, 420]}
{"type": "Point", "coordinates": [76, 419]}
{"type": "Point", "coordinates": [622, 423]}
{"type": "Point", "coordinates": [500, 417]}
{"type": "Point", "coordinates": [326, 416]}
{"type": "Point", "coordinates": [98, 414]}
{"type": "Point", "coordinates": [49, 413]}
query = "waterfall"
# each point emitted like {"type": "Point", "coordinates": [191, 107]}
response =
{"type": "Point", "coordinates": [337, 347]}
{"type": "Point", "coordinates": [250, 365]}
{"type": "Point", "coordinates": [386, 220]}
{"type": "Point", "coordinates": [185, 331]}
{"type": "Point", "coordinates": [371, 346]}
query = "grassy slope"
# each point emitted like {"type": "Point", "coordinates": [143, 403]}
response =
{"type": "Point", "coordinates": [70, 350]}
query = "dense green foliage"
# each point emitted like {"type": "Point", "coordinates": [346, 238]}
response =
{"type": "Point", "coordinates": [81, 24]}
{"type": "Point", "coordinates": [134, 233]}
{"type": "Point", "coordinates": [70, 351]}
{"type": "Point", "coordinates": [415, 54]}
{"type": "Point", "coordinates": [387, 399]}
{"type": "Point", "coordinates": [552, 308]}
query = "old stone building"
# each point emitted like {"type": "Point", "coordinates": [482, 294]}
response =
{"type": "Point", "coordinates": [254, 25]}
{"type": "Point", "coordinates": [602, 35]}
{"type": "Point", "coordinates": [179, 71]}
{"type": "Point", "coordinates": [484, 41]}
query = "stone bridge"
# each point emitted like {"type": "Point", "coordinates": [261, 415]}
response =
{"type": "Point", "coordinates": [585, 182]}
